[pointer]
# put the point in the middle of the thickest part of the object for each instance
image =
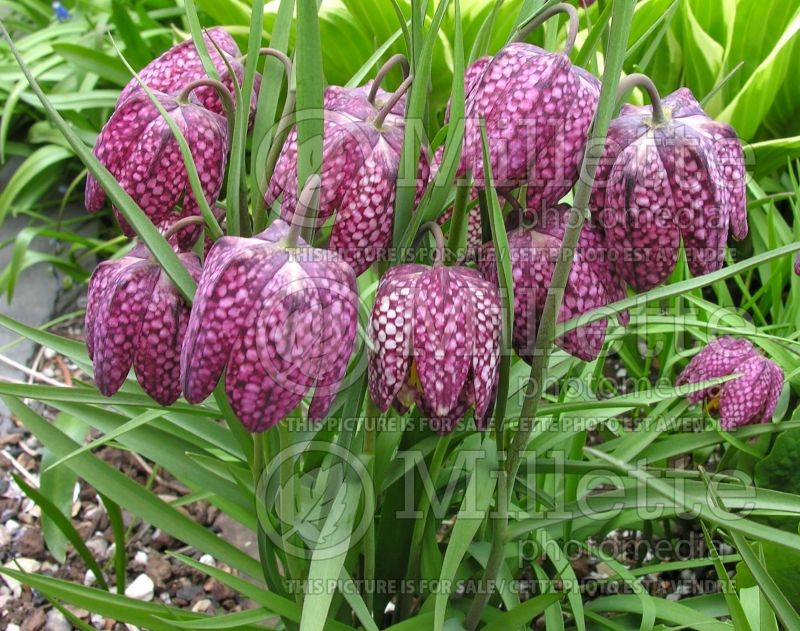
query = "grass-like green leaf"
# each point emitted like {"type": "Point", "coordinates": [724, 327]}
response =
{"type": "Point", "coordinates": [149, 234]}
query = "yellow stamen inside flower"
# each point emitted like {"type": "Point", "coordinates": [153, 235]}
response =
{"type": "Point", "coordinates": [713, 405]}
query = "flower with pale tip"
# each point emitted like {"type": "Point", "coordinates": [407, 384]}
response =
{"type": "Point", "coordinates": [139, 149]}
{"type": "Point", "coordinates": [749, 398]}
{"type": "Point", "coordinates": [362, 142]}
{"type": "Point", "coordinates": [135, 316]}
{"type": "Point", "coordinates": [435, 341]}
{"type": "Point", "coordinates": [592, 282]}
{"type": "Point", "coordinates": [537, 107]}
{"type": "Point", "coordinates": [278, 317]}
{"type": "Point", "coordinates": [669, 173]}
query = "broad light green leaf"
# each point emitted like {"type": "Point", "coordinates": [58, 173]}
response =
{"type": "Point", "coordinates": [748, 108]}
{"type": "Point", "coordinates": [58, 486]}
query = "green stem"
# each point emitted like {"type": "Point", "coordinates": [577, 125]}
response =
{"type": "Point", "coordinates": [621, 21]}
{"type": "Point", "coordinates": [419, 524]}
{"type": "Point", "coordinates": [293, 567]}
{"type": "Point", "coordinates": [224, 96]}
{"type": "Point", "coordinates": [525, 29]}
{"type": "Point", "coordinates": [387, 107]}
{"type": "Point", "coordinates": [385, 69]}
{"type": "Point", "coordinates": [370, 438]}
{"type": "Point", "coordinates": [308, 201]}
{"type": "Point", "coordinates": [459, 222]}
{"type": "Point", "coordinates": [183, 223]}
{"type": "Point", "coordinates": [282, 131]}
{"type": "Point", "coordinates": [638, 80]}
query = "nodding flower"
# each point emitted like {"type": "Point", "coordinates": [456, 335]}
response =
{"type": "Point", "coordinates": [136, 317]}
{"type": "Point", "coordinates": [435, 342]}
{"type": "Point", "coordinates": [749, 398]}
{"type": "Point", "coordinates": [278, 317]}
{"type": "Point", "coordinates": [669, 172]}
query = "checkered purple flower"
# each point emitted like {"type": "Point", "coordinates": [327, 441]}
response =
{"type": "Point", "coordinates": [749, 398]}
{"type": "Point", "coordinates": [136, 317]}
{"type": "Point", "coordinates": [137, 146]}
{"type": "Point", "coordinates": [660, 181]}
{"type": "Point", "coordinates": [181, 65]}
{"type": "Point", "coordinates": [360, 161]}
{"type": "Point", "coordinates": [435, 342]}
{"type": "Point", "coordinates": [592, 283]}
{"type": "Point", "coordinates": [537, 107]}
{"type": "Point", "coordinates": [279, 317]}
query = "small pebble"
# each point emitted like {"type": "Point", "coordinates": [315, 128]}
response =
{"type": "Point", "coordinates": [140, 557]}
{"type": "Point", "coordinates": [98, 622]}
{"type": "Point", "coordinates": [98, 547]}
{"type": "Point", "coordinates": [11, 526]}
{"type": "Point", "coordinates": [56, 621]}
{"type": "Point", "coordinates": [49, 353]}
{"type": "Point", "coordinates": [207, 559]}
{"type": "Point", "coordinates": [141, 588]}
{"type": "Point", "coordinates": [12, 627]}
{"type": "Point", "coordinates": [201, 606]}
{"type": "Point", "coordinates": [89, 579]}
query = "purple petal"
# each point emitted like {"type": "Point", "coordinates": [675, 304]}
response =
{"type": "Point", "coordinates": [638, 218]}
{"type": "Point", "coordinates": [487, 323]}
{"type": "Point", "coordinates": [274, 363]}
{"type": "Point", "coordinates": [119, 321]}
{"type": "Point", "coordinates": [158, 352]}
{"type": "Point", "coordinates": [235, 272]}
{"type": "Point", "coordinates": [390, 333]}
{"type": "Point", "coordinates": [362, 231]}
{"type": "Point", "coordinates": [336, 285]}
{"type": "Point", "coordinates": [775, 387]}
{"type": "Point", "coordinates": [443, 337]}
{"type": "Point", "coordinates": [702, 219]}
{"type": "Point", "coordinates": [103, 277]}
{"type": "Point", "coordinates": [114, 143]}
{"type": "Point", "coordinates": [720, 357]}
{"type": "Point", "coordinates": [743, 400]}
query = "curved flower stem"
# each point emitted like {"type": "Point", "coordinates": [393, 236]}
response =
{"type": "Point", "coordinates": [224, 96]}
{"type": "Point", "coordinates": [436, 231]}
{"type": "Point", "coordinates": [622, 15]}
{"type": "Point", "coordinates": [182, 223]}
{"type": "Point", "coordinates": [419, 523]}
{"type": "Point", "coordinates": [302, 220]}
{"type": "Point", "coordinates": [280, 56]}
{"type": "Point", "coordinates": [545, 15]}
{"type": "Point", "coordinates": [387, 108]}
{"type": "Point", "coordinates": [638, 80]}
{"type": "Point", "coordinates": [513, 201]}
{"type": "Point", "coordinates": [385, 69]}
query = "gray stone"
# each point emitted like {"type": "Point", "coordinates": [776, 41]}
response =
{"type": "Point", "coordinates": [56, 621]}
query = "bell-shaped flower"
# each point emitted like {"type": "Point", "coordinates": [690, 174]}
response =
{"type": "Point", "coordinates": [435, 342]}
{"type": "Point", "coordinates": [537, 107]}
{"type": "Point", "coordinates": [361, 147]}
{"type": "Point", "coordinates": [749, 398]}
{"type": "Point", "coordinates": [135, 316]}
{"type": "Point", "coordinates": [279, 317]}
{"type": "Point", "coordinates": [137, 146]}
{"type": "Point", "coordinates": [592, 283]}
{"type": "Point", "coordinates": [669, 173]}
{"type": "Point", "coordinates": [181, 65]}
